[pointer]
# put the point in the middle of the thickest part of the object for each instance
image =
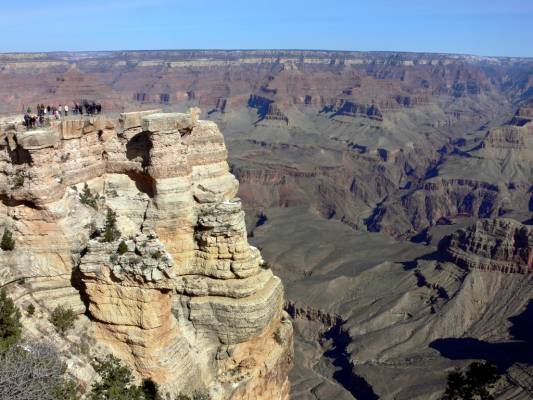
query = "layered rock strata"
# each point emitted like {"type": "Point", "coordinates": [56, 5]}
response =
{"type": "Point", "coordinates": [185, 300]}
{"type": "Point", "coordinates": [500, 244]}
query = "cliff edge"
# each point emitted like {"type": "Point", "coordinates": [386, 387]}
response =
{"type": "Point", "coordinates": [187, 302]}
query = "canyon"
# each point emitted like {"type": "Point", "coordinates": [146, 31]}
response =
{"type": "Point", "coordinates": [390, 192]}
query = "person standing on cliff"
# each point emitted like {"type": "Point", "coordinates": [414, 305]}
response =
{"type": "Point", "coordinates": [66, 110]}
{"type": "Point", "coordinates": [27, 120]}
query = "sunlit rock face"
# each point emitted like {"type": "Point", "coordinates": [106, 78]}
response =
{"type": "Point", "coordinates": [187, 302]}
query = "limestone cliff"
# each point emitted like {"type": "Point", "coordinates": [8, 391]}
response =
{"type": "Point", "coordinates": [190, 304]}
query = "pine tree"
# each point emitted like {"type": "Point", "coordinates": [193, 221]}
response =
{"type": "Point", "coordinates": [10, 325]}
{"type": "Point", "coordinates": [87, 198]}
{"type": "Point", "coordinates": [122, 248]}
{"type": "Point", "coordinates": [111, 232]}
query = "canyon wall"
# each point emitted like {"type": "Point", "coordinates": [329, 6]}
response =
{"type": "Point", "coordinates": [188, 302]}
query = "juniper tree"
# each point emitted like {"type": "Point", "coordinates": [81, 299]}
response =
{"type": "Point", "coordinates": [7, 243]}
{"type": "Point", "coordinates": [122, 248]}
{"type": "Point", "coordinates": [63, 319]}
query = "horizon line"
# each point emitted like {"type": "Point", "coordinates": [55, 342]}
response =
{"type": "Point", "coordinates": [434, 53]}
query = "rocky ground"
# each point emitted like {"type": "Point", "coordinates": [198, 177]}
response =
{"type": "Point", "coordinates": [381, 318]}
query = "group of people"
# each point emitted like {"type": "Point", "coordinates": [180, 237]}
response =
{"type": "Point", "coordinates": [90, 108]}
{"type": "Point", "coordinates": [45, 113]}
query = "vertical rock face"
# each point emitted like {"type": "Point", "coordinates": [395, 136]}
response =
{"type": "Point", "coordinates": [190, 303]}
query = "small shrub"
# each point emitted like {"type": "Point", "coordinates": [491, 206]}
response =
{"type": "Point", "coordinates": [133, 261]}
{"type": "Point", "coordinates": [63, 319]}
{"type": "Point", "coordinates": [194, 396]}
{"type": "Point", "coordinates": [156, 255]}
{"type": "Point", "coordinates": [34, 371]}
{"type": "Point", "coordinates": [30, 310]}
{"type": "Point", "coordinates": [87, 198]}
{"type": "Point", "coordinates": [113, 258]}
{"type": "Point", "coordinates": [278, 338]}
{"type": "Point", "coordinates": [84, 349]}
{"type": "Point", "coordinates": [111, 232]}
{"type": "Point", "coordinates": [122, 248]}
{"type": "Point", "coordinates": [200, 396]}
{"type": "Point", "coordinates": [18, 181]}
{"type": "Point", "coordinates": [10, 325]}
{"type": "Point", "coordinates": [7, 243]}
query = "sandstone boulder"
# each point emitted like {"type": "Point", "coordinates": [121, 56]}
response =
{"type": "Point", "coordinates": [38, 139]}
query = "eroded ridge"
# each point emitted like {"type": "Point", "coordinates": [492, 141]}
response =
{"type": "Point", "coordinates": [186, 301]}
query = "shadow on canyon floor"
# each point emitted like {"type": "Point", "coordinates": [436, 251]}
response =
{"type": "Point", "coordinates": [346, 375]}
{"type": "Point", "coordinates": [438, 255]}
{"type": "Point", "coordinates": [502, 354]}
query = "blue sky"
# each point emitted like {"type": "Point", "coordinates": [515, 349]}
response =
{"type": "Point", "coordinates": [488, 27]}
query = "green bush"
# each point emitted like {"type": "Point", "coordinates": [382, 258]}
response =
{"type": "Point", "coordinates": [30, 309]}
{"type": "Point", "coordinates": [111, 232]}
{"type": "Point", "coordinates": [63, 319]}
{"type": "Point", "coordinates": [18, 181]}
{"type": "Point", "coordinates": [87, 198]}
{"type": "Point", "coordinates": [122, 248]}
{"type": "Point", "coordinates": [7, 243]}
{"type": "Point", "coordinates": [116, 383]}
{"type": "Point", "coordinates": [156, 255]}
{"type": "Point", "coordinates": [194, 396]}
{"type": "Point", "coordinates": [10, 325]}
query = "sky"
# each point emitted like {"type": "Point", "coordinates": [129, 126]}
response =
{"type": "Point", "coordinates": [480, 27]}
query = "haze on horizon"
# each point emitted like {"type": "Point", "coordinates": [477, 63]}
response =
{"type": "Point", "coordinates": [495, 28]}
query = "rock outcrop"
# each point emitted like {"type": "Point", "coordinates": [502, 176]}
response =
{"type": "Point", "coordinates": [267, 109]}
{"type": "Point", "coordinates": [500, 244]}
{"type": "Point", "coordinates": [185, 301]}
{"type": "Point", "coordinates": [505, 137]}
{"type": "Point", "coordinates": [352, 109]}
